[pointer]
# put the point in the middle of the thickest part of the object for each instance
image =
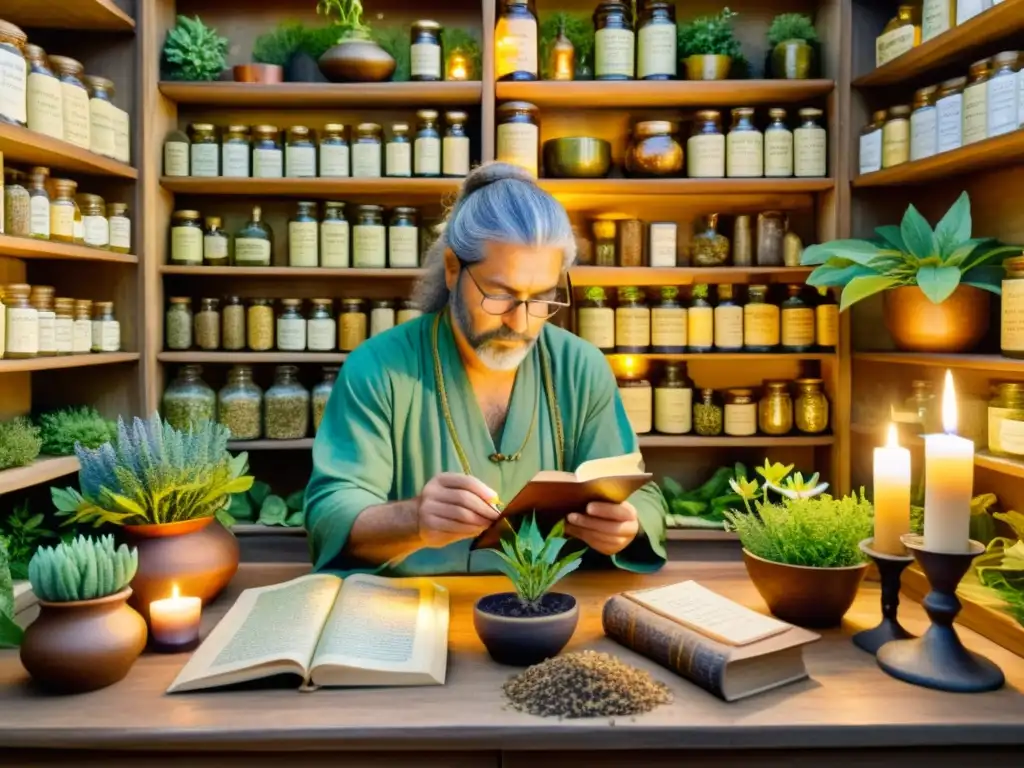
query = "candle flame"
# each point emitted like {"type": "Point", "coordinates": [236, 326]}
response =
{"type": "Point", "coordinates": [175, 592]}
{"type": "Point", "coordinates": [949, 405]}
{"type": "Point", "coordinates": [894, 438]}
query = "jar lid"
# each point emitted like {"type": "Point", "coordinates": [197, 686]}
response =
{"type": "Point", "coordinates": [65, 186]}
{"type": "Point", "coordinates": [426, 24]}
{"type": "Point", "coordinates": [808, 112]}
{"type": "Point", "coordinates": [382, 304]}
{"type": "Point", "coordinates": [724, 290]}
{"type": "Point", "coordinates": [652, 128]}
{"type": "Point", "coordinates": [746, 112]}
{"type": "Point", "coordinates": [265, 129]}
{"type": "Point", "coordinates": [82, 304]}
{"type": "Point", "coordinates": [922, 94]}
{"type": "Point", "coordinates": [399, 127]}
{"type": "Point", "coordinates": [101, 306]}
{"type": "Point", "coordinates": [1010, 387]}
{"type": "Point", "coordinates": [807, 382]}
{"type": "Point", "coordinates": [404, 210]}
{"type": "Point", "coordinates": [369, 209]}
{"type": "Point", "coordinates": [334, 128]}
{"type": "Point", "coordinates": [334, 205]}
{"type": "Point", "coordinates": [899, 111]}
{"type": "Point", "coordinates": [426, 114]}
{"type": "Point", "coordinates": [185, 215]}
{"type": "Point", "coordinates": [321, 302]}
{"type": "Point", "coordinates": [1007, 58]}
{"type": "Point", "coordinates": [707, 392]}
{"type": "Point", "coordinates": [64, 304]}
{"type": "Point", "coordinates": [43, 290]}
{"type": "Point", "coordinates": [953, 83]}
{"type": "Point", "coordinates": [516, 107]}
{"type": "Point", "coordinates": [777, 384]}
{"type": "Point", "coordinates": [352, 302]}
{"type": "Point", "coordinates": [299, 130]}
{"type": "Point", "coordinates": [35, 52]}
{"type": "Point", "coordinates": [237, 129]}
{"type": "Point", "coordinates": [777, 113]}
{"type": "Point", "coordinates": [368, 128]}
{"type": "Point", "coordinates": [456, 117]}
{"type": "Point", "coordinates": [66, 65]}
{"type": "Point", "coordinates": [291, 302]}
{"type": "Point", "coordinates": [740, 394]}
{"type": "Point", "coordinates": [879, 115]}
{"type": "Point", "coordinates": [757, 289]}
{"type": "Point", "coordinates": [95, 81]}
{"type": "Point", "coordinates": [260, 301]}
{"type": "Point", "coordinates": [117, 209]}
{"type": "Point", "coordinates": [17, 289]}
{"type": "Point", "coordinates": [210, 301]}
{"type": "Point", "coordinates": [305, 205]}
{"type": "Point", "coordinates": [979, 67]}
{"type": "Point", "coordinates": [1014, 266]}
{"type": "Point", "coordinates": [202, 127]}
{"type": "Point", "coordinates": [181, 300]}
{"type": "Point", "coordinates": [10, 30]}
{"type": "Point", "coordinates": [708, 114]}
{"type": "Point", "coordinates": [213, 221]}
{"type": "Point", "coordinates": [233, 300]}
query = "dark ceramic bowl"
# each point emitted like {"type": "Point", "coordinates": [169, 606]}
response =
{"type": "Point", "coordinates": [524, 640]}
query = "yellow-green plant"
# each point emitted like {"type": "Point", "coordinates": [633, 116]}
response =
{"type": "Point", "coordinates": [10, 632]}
{"type": "Point", "coordinates": [82, 569]}
{"type": "Point", "coordinates": [531, 562]}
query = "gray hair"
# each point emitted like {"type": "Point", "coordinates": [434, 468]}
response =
{"type": "Point", "coordinates": [501, 203]}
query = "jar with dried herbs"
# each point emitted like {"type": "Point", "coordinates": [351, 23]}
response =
{"type": "Point", "coordinates": [322, 393]}
{"type": "Point", "coordinates": [232, 324]}
{"type": "Point", "coordinates": [260, 325]}
{"type": "Point", "coordinates": [352, 323]}
{"type": "Point", "coordinates": [178, 323]}
{"type": "Point", "coordinates": [240, 404]}
{"type": "Point", "coordinates": [188, 400]}
{"type": "Point", "coordinates": [216, 243]}
{"type": "Point", "coordinates": [708, 248]}
{"type": "Point", "coordinates": [286, 406]}
{"type": "Point", "coordinates": [17, 205]}
{"type": "Point", "coordinates": [208, 325]}
{"type": "Point", "coordinates": [707, 414]}
{"type": "Point", "coordinates": [775, 409]}
{"type": "Point", "coordinates": [811, 407]}
{"type": "Point", "coordinates": [1006, 420]}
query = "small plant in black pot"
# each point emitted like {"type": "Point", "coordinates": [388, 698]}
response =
{"type": "Point", "coordinates": [531, 624]}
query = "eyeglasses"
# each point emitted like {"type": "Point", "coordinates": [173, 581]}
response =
{"type": "Point", "coordinates": [503, 304]}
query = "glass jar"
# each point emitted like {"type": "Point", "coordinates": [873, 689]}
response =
{"type": "Point", "coordinates": [353, 324]}
{"type": "Point", "coordinates": [63, 326]}
{"type": "Point", "coordinates": [673, 401]}
{"type": "Point", "coordinates": [286, 406]}
{"type": "Point", "coordinates": [744, 150]}
{"type": "Point", "coordinates": [17, 211]}
{"type": "Point", "coordinates": [760, 321]}
{"type": "Point", "coordinates": [398, 152]}
{"type": "Point", "coordinates": [427, 148]}
{"type": "Point", "coordinates": [254, 242]}
{"type": "Point", "coordinates": [176, 154]}
{"type": "Point", "coordinates": [518, 134]}
{"type": "Point", "coordinates": [740, 413]}
{"type": "Point", "coordinates": [455, 146]}
{"type": "Point", "coordinates": [870, 157]}
{"type": "Point", "coordinates": [81, 332]}
{"type": "Point", "coordinates": [101, 115]}
{"type": "Point", "coordinates": [700, 320]}
{"type": "Point", "coordinates": [924, 125]}
{"type": "Point", "coordinates": [334, 236]}
{"type": "Point", "coordinates": [120, 227]}
{"type": "Point", "coordinates": [728, 321]}
{"type": "Point", "coordinates": [216, 243]}
{"type": "Point", "coordinates": [668, 323]}
{"type": "Point", "coordinates": [614, 41]}
{"type": "Point", "coordinates": [186, 239]}
{"type": "Point", "coordinates": [267, 155]}
{"type": "Point", "coordinates": [656, 49]}
{"type": "Point", "coordinates": [638, 402]}
{"type": "Point", "coordinates": [382, 316]}
{"type": "Point", "coordinates": [826, 321]}
{"type": "Point", "coordinates": [62, 211]}
{"type": "Point", "coordinates": [300, 153]}
{"type": "Point", "coordinates": [705, 149]}
{"type": "Point", "coordinates": [975, 104]}
{"type": "Point", "coordinates": [425, 51]}
{"type": "Point", "coordinates": [74, 101]}
{"type": "Point", "coordinates": [810, 145]}
{"type": "Point", "coordinates": [605, 249]}
{"type": "Point", "coordinates": [321, 328]}
{"type": "Point", "coordinates": [22, 320]}
{"type": "Point", "coordinates": [771, 237]}
{"type": "Point", "coordinates": [811, 407]}
{"type": "Point", "coordinates": [369, 248]}
{"type": "Point", "coordinates": [949, 106]}
{"type": "Point", "coordinates": [797, 322]}
{"type": "Point", "coordinates": [95, 228]}
{"type": "Point", "coordinates": [595, 319]}
{"type": "Point", "coordinates": [515, 41]}
{"type": "Point", "coordinates": [45, 105]}
{"type": "Point", "coordinates": [792, 249]}
{"type": "Point", "coordinates": [205, 150]}
{"type": "Point", "coordinates": [236, 152]}
{"type": "Point", "coordinates": [259, 324]}
{"type": "Point", "coordinates": [653, 150]}
{"type": "Point", "coordinates": [14, 69]}
{"type": "Point", "coordinates": [708, 248]}
{"type": "Point", "coordinates": [896, 136]}
{"type": "Point", "coordinates": [1011, 323]}
{"type": "Point", "coordinates": [742, 242]}
{"type": "Point", "coordinates": [775, 409]}
{"type": "Point", "coordinates": [937, 16]}
{"type": "Point", "coordinates": [106, 330]}
{"type": "Point", "coordinates": [41, 297]}
{"type": "Point", "coordinates": [631, 242]}
{"type": "Point", "coordinates": [1006, 420]}
{"type": "Point", "coordinates": [334, 152]}
{"type": "Point", "coordinates": [38, 205]}
{"type": "Point", "coordinates": [900, 35]}
{"type": "Point", "coordinates": [366, 151]}
{"type": "Point", "coordinates": [207, 324]}
{"type": "Point", "coordinates": [707, 414]}
{"type": "Point", "coordinates": [233, 324]}
{"type": "Point", "coordinates": [407, 311]}
{"type": "Point", "coordinates": [322, 393]}
{"type": "Point", "coordinates": [178, 324]}
{"type": "Point", "coordinates": [1002, 95]}
{"type": "Point", "coordinates": [403, 239]}
{"type": "Point", "coordinates": [632, 322]}
{"type": "Point", "coordinates": [188, 401]}
{"type": "Point", "coordinates": [304, 236]}
{"type": "Point", "coordinates": [240, 404]}
{"type": "Point", "coordinates": [924, 406]}
{"type": "Point", "coordinates": [291, 326]}
{"type": "Point", "coordinates": [662, 243]}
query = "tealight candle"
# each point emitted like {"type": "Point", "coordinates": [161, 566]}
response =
{"type": "Point", "coordinates": [949, 482]}
{"type": "Point", "coordinates": [458, 65]}
{"type": "Point", "coordinates": [174, 621]}
{"type": "Point", "coordinates": [892, 496]}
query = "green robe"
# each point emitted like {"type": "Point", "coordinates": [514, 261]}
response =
{"type": "Point", "coordinates": [383, 437]}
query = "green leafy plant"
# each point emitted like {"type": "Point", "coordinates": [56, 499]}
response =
{"type": "Point", "coordinates": [579, 28]}
{"type": "Point", "coordinates": [395, 40]}
{"type": "Point", "coordinates": [10, 632]}
{"type": "Point", "coordinates": [709, 35]}
{"type": "Point", "coordinates": [531, 562]}
{"type": "Point", "coordinates": [260, 505]}
{"type": "Point", "coordinates": [194, 51]}
{"type": "Point", "coordinates": [819, 532]}
{"type": "Point", "coordinates": [937, 261]}
{"type": "Point", "coordinates": [280, 44]}
{"type": "Point", "coordinates": [82, 569]}
{"type": "Point", "coordinates": [24, 532]}
{"type": "Point", "coordinates": [152, 474]}
{"type": "Point", "coordinates": [62, 430]}
{"type": "Point", "coordinates": [319, 40]}
{"type": "Point", "coordinates": [458, 39]}
{"type": "Point", "coordinates": [349, 22]}
{"type": "Point", "coordinates": [20, 443]}
{"type": "Point", "coordinates": [792, 26]}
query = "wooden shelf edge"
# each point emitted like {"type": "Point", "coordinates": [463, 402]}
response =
{"type": "Point", "coordinates": [229, 358]}
{"type": "Point", "coordinates": [305, 95]}
{"type": "Point", "coordinates": [595, 94]}
{"type": "Point", "coordinates": [42, 470]}
{"type": "Point", "coordinates": [974, 362]}
{"type": "Point", "coordinates": [1000, 464]}
{"type": "Point", "coordinates": [83, 14]}
{"type": "Point", "coordinates": [30, 248]}
{"type": "Point", "coordinates": [66, 361]}
{"type": "Point", "coordinates": [700, 534]}
{"type": "Point", "coordinates": [648, 276]}
{"type": "Point", "coordinates": [686, 186]}
{"type": "Point", "coordinates": [22, 146]}
{"type": "Point", "coordinates": [381, 186]}
{"type": "Point", "coordinates": [278, 272]}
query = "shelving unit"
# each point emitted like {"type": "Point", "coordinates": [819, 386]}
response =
{"type": "Point", "coordinates": [24, 147]}
{"type": "Point", "coordinates": [322, 95]}
{"type": "Point", "coordinates": [43, 470]}
{"type": "Point", "coordinates": [26, 248]}
{"type": "Point", "coordinates": [69, 14]}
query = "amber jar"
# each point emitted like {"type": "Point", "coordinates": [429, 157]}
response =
{"type": "Point", "coordinates": [267, 155]}
{"type": "Point", "coordinates": [515, 41]}
{"type": "Point", "coordinates": [15, 69]}
{"type": "Point", "coordinates": [236, 152]}
{"type": "Point", "coordinates": [403, 239]}
{"type": "Point", "coordinates": [653, 150]}
{"type": "Point", "coordinates": [352, 325]}
{"type": "Point", "coordinates": [740, 413]}
{"type": "Point", "coordinates": [95, 227]}
{"type": "Point", "coordinates": [595, 319]}
{"type": "Point", "coordinates": [101, 115]}
{"type": "Point", "coordinates": [120, 228]}
{"type": "Point", "coordinates": [896, 136]}
{"type": "Point", "coordinates": [366, 151]}
{"type": "Point", "coordinates": [775, 409]}
{"type": "Point", "coordinates": [797, 321]}
{"type": "Point", "coordinates": [975, 105]}
{"type": "Point", "coordinates": [1011, 323]}
{"type": "Point", "coordinates": [656, 50]}
{"type": "Point", "coordinates": [744, 150]}
{"type": "Point", "coordinates": [761, 332]}
{"type": "Point", "coordinates": [705, 149]}
{"type": "Point", "coordinates": [632, 322]}
{"type": "Point", "coordinates": [75, 100]}
{"type": "Point", "coordinates": [455, 146]}
{"type": "Point", "coordinates": [425, 51]}
{"type": "Point", "coordinates": [62, 211]}
{"type": "Point", "coordinates": [186, 238]}
{"type": "Point", "coordinates": [638, 403]}
{"type": "Point", "coordinates": [369, 238]}
{"type": "Point", "coordinates": [614, 41]}
{"type": "Point", "coordinates": [811, 407]}
{"type": "Point", "coordinates": [299, 153]}
{"type": "Point", "coordinates": [334, 151]}
{"type": "Point", "coordinates": [45, 103]}
{"type": "Point", "coordinates": [427, 147]}
{"type": "Point", "coordinates": [518, 134]}
{"type": "Point", "coordinates": [259, 325]}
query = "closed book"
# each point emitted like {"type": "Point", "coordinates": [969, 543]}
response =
{"type": "Point", "coordinates": [739, 652]}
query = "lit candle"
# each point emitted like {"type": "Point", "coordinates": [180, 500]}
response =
{"type": "Point", "coordinates": [949, 482]}
{"type": "Point", "coordinates": [174, 621]}
{"type": "Point", "coordinates": [458, 65]}
{"type": "Point", "coordinates": [892, 495]}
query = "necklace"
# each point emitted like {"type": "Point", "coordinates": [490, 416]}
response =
{"type": "Point", "coordinates": [499, 457]}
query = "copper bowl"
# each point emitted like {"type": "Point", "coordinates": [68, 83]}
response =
{"type": "Point", "coordinates": [258, 73]}
{"type": "Point", "coordinates": [577, 157]}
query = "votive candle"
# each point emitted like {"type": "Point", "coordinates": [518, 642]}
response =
{"type": "Point", "coordinates": [174, 621]}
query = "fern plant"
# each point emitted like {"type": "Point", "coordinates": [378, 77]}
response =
{"type": "Point", "coordinates": [61, 430]}
{"type": "Point", "coordinates": [152, 473]}
{"type": "Point", "coordinates": [82, 569]}
{"type": "Point", "coordinates": [194, 51]}
{"type": "Point", "coordinates": [24, 532]}
{"type": "Point", "coordinates": [280, 44]}
{"type": "Point", "coordinates": [792, 26]}
{"type": "Point", "coordinates": [531, 561]}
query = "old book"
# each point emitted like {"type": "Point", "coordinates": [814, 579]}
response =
{"type": "Point", "coordinates": [727, 649]}
{"type": "Point", "coordinates": [553, 495]}
{"type": "Point", "coordinates": [360, 631]}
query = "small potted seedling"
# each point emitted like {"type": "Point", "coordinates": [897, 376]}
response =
{"type": "Point", "coordinates": [708, 47]}
{"type": "Point", "coordinates": [792, 38]}
{"type": "Point", "coordinates": [531, 624]}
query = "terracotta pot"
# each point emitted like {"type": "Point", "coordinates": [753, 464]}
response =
{"type": "Point", "coordinates": [357, 61]}
{"type": "Point", "coordinates": [799, 594]}
{"type": "Point", "coordinates": [524, 640]}
{"type": "Point", "coordinates": [707, 67]}
{"type": "Point", "coordinates": [200, 556]}
{"type": "Point", "coordinates": [917, 325]}
{"type": "Point", "coordinates": [84, 645]}
{"type": "Point", "coordinates": [792, 60]}
{"type": "Point", "coordinates": [258, 73]}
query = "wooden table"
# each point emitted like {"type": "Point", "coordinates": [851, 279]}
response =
{"type": "Point", "coordinates": [849, 713]}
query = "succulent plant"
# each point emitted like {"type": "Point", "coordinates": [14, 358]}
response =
{"type": "Point", "coordinates": [82, 569]}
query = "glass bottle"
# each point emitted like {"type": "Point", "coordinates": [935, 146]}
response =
{"type": "Point", "coordinates": [705, 149]}
{"type": "Point", "coordinates": [656, 49]}
{"type": "Point", "coordinates": [900, 35]}
{"type": "Point", "coordinates": [254, 242]}
{"type": "Point", "coordinates": [106, 330]}
{"type": "Point", "coordinates": [700, 321]}
{"type": "Point", "coordinates": [366, 151]}
{"type": "Point", "coordinates": [17, 205]}
{"type": "Point", "coordinates": [74, 100]}
{"type": "Point", "coordinates": [427, 148]}
{"type": "Point", "coordinates": [595, 319]}
{"type": "Point", "coordinates": [604, 243]}
{"type": "Point", "coordinates": [45, 104]}
{"type": "Point", "coordinates": [286, 406]}
{"type": "Point", "coordinates": [186, 239]}
{"type": "Point", "coordinates": [515, 41]}
{"type": "Point", "coordinates": [62, 211]}
{"type": "Point", "coordinates": [631, 242]}
{"type": "Point", "coordinates": [771, 237]}
{"type": "Point", "coordinates": [63, 326]}
{"type": "Point", "coordinates": [662, 243]}
{"type": "Point", "coordinates": [797, 322]}
{"type": "Point", "coordinates": [1011, 323]}
{"type": "Point", "coordinates": [120, 228]}
{"type": "Point", "coordinates": [760, 321]}
{"type": "Point", "coordinates": [425, 51]}
{"type": "Point", "coordinates": [742, 242]}
{"type": "Point", "coordinates": [81, 332]}
{"type": "Point", "coordinates": [870, 157]}
{"type": "Point", "coordinates": [178, 324]}
{"type": "Point", "coordinates": [334, 236]}
{"type": "Point", "coordinates": [518, 134]}
{"type": "Point", "coordinates": [707, 414]}
{"type": "Point", "coordinates": [778, 146]}
{"type": "Point", "coordinates": [14, 68]}
{"type": "Point", "coordinates": [637, 402]}
{"type": "Point", "coordinates": [1002, 95]}
{"type": "Point", "coordinates": [39, 206]}
{"type": "Point", "coordinates": [300, 153]}
{"type": "Point", "coordinates": [826, 321]}
{"type": "Point", "coordinates": [398, 152]}
{"type": "Point", "coordinates": [291, 326]}
{"type": "Point", "coordinates": [632, 322]}
{"type": "Point", "coordinates": [207, 322]}
{"type": "Point", "coordinates": [240, 404]}
{"type": "Point", "coordinates": [259, 325]}
{"type": "Point", "coordinates": [740, 413]}
{"type": "Point", "coordinates": [775, 409]}
{"type": "Point", "coordinates": [188, 400]}
{"type": "Point", "coordinates": [728, 321]}
{"type": "Point", "coordinates": [233, 324]}
{"type": "Point", "coordinates": [3, 324]}
{"type": "Point", "coordinates": [382, 316]}
{"type": "Point", "coordinates": [352, 324]}
{"type": "Point", "coordinates": [41, 297]}
{"type": "Point", "coordinates": [668, 323]}
{"type": "Point", "coordinates": [334, 151]}
{"type": "Point", "coordinates": [924, 124]}
{"type": "Point", "coordinates": [708, 248]}
{"type": "Point", "coordinates": [176, 153]}
{"type": "Point", "coordinates": [321, 328]}
{"type": "Point", "coordinates": [810, 145]}
{"type": "Point", "coordinates": [1006, 420]}
{"type": "Point", "coordinates": [744, 151]}
{"type": "Point", "coordinates": [267, 155]}
{"type": "Point", "coordinates": [303, 236]}
{"type": "Point", "coordinates": [673, 401]}
{"type": "Point", "coordinates": [369, 237]}
{"type": "Point", "coordinates": [923, 404]}
{"type": "Point", "coordinates": [975, 104]}
{"type": "Point", "coordinates": [811, 407]}
{"type": "Point", "coordinates": [216, 243]}
{"type": "Point", "coordinates": [205, 150]}
{"type": "Point", "coordinates": [101, 114]}
{"type": "Point", "coordinates": [949, 105]}
{"type": "Point", "coordinates": [403, 239]}
{"type": "Point", "coordinates": [937, 16]}
{"type": "Point", "coordinates": [455, 146]}
{"type": "Point", "coordinates": [95, 227]}
{"type": "Point", "coordinates": [896, 136]}
{"type": "Point", "coordinates": [614, 41]}
{"type": "Point", "coordinates": [321, 394]}
{"type": "Point", "coordinates": [22, 323]}
{"type": "Point", "coordinates": [236, 152]}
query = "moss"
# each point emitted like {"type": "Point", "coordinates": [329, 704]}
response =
{"type": "Point", "coordinates": [20, 443]}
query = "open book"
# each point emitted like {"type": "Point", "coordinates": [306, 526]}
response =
{"type": "Point", "coordinates": [363, 631]}
{"type": "Point", "coordinates": [553, 495]}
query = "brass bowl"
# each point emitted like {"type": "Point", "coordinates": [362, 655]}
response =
{"type": "Point", "coordinates": [577, 157]}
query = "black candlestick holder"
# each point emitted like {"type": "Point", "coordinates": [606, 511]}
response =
{"type": "Point", "coordinates": [938, 659]}
{"type": "Point", "coordinates": [890, 567]}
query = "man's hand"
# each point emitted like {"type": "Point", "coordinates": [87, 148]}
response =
{"type": "Point", "coordinates": [453, 507]}
{"type": "Point", "coordinates": [607, 528]}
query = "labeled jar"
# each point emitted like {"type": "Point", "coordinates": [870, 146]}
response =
{"type": "Point", "coordinates": [186, 238]}
{"type": "Point", "coordinates": [797, 322]}
{"type": "Point", "coordinates": [778, 146]}
{"type": "Point", "coordinates": [700, 321]}
{"type": "Point", "coordinates": [662, 243]}
{"type": "Point", "coordinates": [811, 407]}
{"type": "Point", "coordinates": [775, 409]}
{"type": "Point", "coordinates": [64, 325]}
{"type": "Point", "coordinates": [518, 135]}
{"type": "Point", "coordinates": [17, 205]}
{"type": "Point", "coordinates": [13, 74]}
{"type": "Point", "coordinates": [614, 42]}
{"type": "Point", "coordinates": [253, 242]}
{"type": "Point", "coordinates": [95, 227]}
{"type": "Point", "coordinates": [178, 324]}
{"type": "Point", "coordinates": [216, 242]}
{"type": "Point", "coordinates": [742, 242]}
{"type": "Point", "coordinates": [334, 152]}
{"type": "Point", "coordinates": [205, 150]}
{"type": "Point", "coordinates": [975, 104]}
{"type": "Point", "coordinates": [740, 413]}
{"type": "Point", "coordinates": [240, 404]}
{"type": "Point", "coordinates": [45, 102]}
{"type": "Point", "coordinates": [38, 205]}
{"type": "Point", "coordinates": [41, 297]}
{"type": "Point", "coordinates": [407, 311]}
{"type": "Point", "coordinates": [744, 146]}
{"type": "Point", "coordinates": [382, 316]}
{"type": "Point", "coordinates": [22, 319]}
{"type": "Point", "coordinates": [900, 35]}
{"type": "Point", "coordinates": [267, 155]}
{"type": "Point", "coordinates": [705, 149]}
{"type": "Point", "coordinates": [232, 318]}
{"type": "Point", "coordinates": [1006, 420]}
{"type": "Point", "coordinates": [826, 321]}
{"type": "Point", "coordinates": [1011, 319]}
{"type": "Point", "coordinates": [949, 106]}
{"type": "Point", "coordinates": [352, 324]}
{"type": "Point", "coordinates": [286, 406]}
{"type": "Point", "coordinates": [81, 333]}
{"type": "Point", "coordinates": [303, 236]}
{"type": "Point", "coordinates": [398, 152]}
{"type": "Point", "coordinates": [924, 124]}
{"type": "Point", "coordinates": [673, 401]}
{"type": "Point", "coordinates": [425, 51]}
{"type": "Point", "coordinates": [291, 326]}
{"type": "Point", "coordinates": [176, 154]}
{"type": "Point", "coordinates": [322, 393]}
{"type": "Point", "coordinates": [106, 330]}
{"type": "Point", "coordinates": [708, 247]}
{"type": "Point", "coordinates": [668, 323]}
{"type": "Point", "coordinates": [653, 150]}
{"type": "Point", "coordinates": [870, 157]}
{"type": "Point", "coordinates": [728, 321]}
{"type": "Point", "coordinates": [771, 238]}
{"type": "Point", "coordinates": [515, 41]}
{"type": "Point", "coordinates": [631, 242]}
{"type": "Point", "coordinates": [321, 328]}
{"type": "Point", "coordinates": [760, 321]}
{"type": "Point", "coordinates": [605, 247]}
{"type": "Point", "coordinates": [74, 101]}
{"type": "Point", "coordinates": [366, 151]}
{"type": "Point", "coordinates": [810, 145]}
{"type": "Point", "coordinates": [101, 115]}
{"type": "Point", "coordinates": [1002, 95]}
{"type": "Point", "coordinates": [632, 322]}
{"type": "Point", "coordinates": [369, 247]}
{"type": "Point", "coordinates": [937, 16]}
{"type": "Point", "coordinates": [896, 136]}
{"type": "Point", "coordinates": [188, 401]}
{"type": "Point", "coordinates": [657, 56]}
{"type": "Point", "coordinates": [299, 153]}
{"type": "Point", "coordinates": [236, 152]}
{"type": "Point", "coordinates": [707, 414]}
{"type": "Point", "coordinates": [259, 325]}
{"type": "Point", "coordinates": [403, 239]}
{"type": "Point", "coordinates": [455, 146]}
{"type": "Point", "coordinates": [638, 402]}
{"type": "Point", "coordinates": [334, 236]}
{"type": "Point", "coordinates": [120, 228]}
{"type": "Point", "coordinates": [207, 322]}
{"type": "Point", "coordinates": [63, 211]}
{"type": "Point", "coordinates": [427, 147]}
{"type": "Point", "coordinates": [595, 319]}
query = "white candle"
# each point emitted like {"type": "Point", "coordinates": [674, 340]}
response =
{"type": "Point", "coordinates": [892, 495]}
{"type": "Point", "coordinates": [174, 621]}
{"type": "Point", "coordinates": [949, 482]}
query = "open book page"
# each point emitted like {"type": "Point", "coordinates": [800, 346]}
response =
{"type": "Point", "coordinates": [611, 466]}
{"type": "Point", "coordinates": [268, 630]}
{"type": "Point", "coordinates": [384, 631]}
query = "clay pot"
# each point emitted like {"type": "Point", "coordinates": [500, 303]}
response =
{"type": "Point", "coordinates": [357, 61]}
{"type": "Point", "coordinates": [258, 73]}
{"type": "Point", "coordinates": [524, 640]}
{"type": "Point", "coordinates": [84, 645]}
{"type": "Point", "coordinates": [792, 60]}
{"type": "Point", "coordinates": [200, 556]}
{"type": "Point", "coordinates": [917, 325]}
{"type": "Point", "coordinates": [802, 595]}
{"type": "Point", "coordinates": [707, 67]}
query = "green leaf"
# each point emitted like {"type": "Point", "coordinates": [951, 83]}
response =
{"type": "Point", "coordinates": [259, 492]}
{"type": "Point", "coordinates": [296, 519]}
{"type": "Point", "coordinates": [938, 283]}
{"type": "Point", "coordinates": [827, 276]}
{"type": "Point", "coordinates": [10, 632]}
{"type": "Point", "coordinates": [297, 500]}
{"type": "Point", "coordinates": [240, 507]}
{"type": "Point", "coordinates": [891, 234]}
{"type": "Point", "coordinates": [955, 227]}
{"type": "Point", "coordinates": [857, 251]}
{"type": "Point", "coordinates": [996, 289]}
{"type": "Point", "coordinates": [861, 288]}
{"type": "Point", "coordinates": [274, 511]}
{"type": "Point", "coordinates": [917, 234]}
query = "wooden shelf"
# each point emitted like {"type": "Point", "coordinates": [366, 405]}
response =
{"type": "Point", "coordinates": [42, 470]}
{"type": "Point", "coordinates": [997, 152]}
{"type": "Point", "coordinates": [994, 363]}
{"type": "Point", "coordinates": [724, 441]}
{"type": "Point", "coordinates": [679, 187]}
{"type": "Point", "coordinates": [595, 94]}
{"type": "Point", "coordinates": [727, 356]}
{"type": "Point", "coordinates": [68, 14]}
{"type": "Point", "coordinates": [646, 276]}
{"type": "Point", "coordinates": [700, 534]}
{"type": "Point", "coordinates": [30, 248]}
{"type": "Point", "coordinates": [303, 444]}
{"type": "Point", "coordinates": [252, 358]}
{"type": "Point", "coordinates": [1000, 464]}
{"type": "Point", "coordinates": [998, 23]}
{"type": "Point", "coordinates": [66, 361]}
{"type": "Point", "coordinates": [344, 273]}
{"type": "Point", "coordinates": [22, 146]}
{"type": "Point", "coordinates": [323, 95]}
{"type": "Point", "coordinates": [382, 187]}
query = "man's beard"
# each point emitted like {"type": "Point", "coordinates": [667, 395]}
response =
{"type": "Point", "coordinates": [487, 346]}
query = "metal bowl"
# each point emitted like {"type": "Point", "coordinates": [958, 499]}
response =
{"type": "Point", "coordinates": [577, 157]}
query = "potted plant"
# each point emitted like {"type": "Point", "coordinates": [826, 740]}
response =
{"type": "Point", "coordinates": [288, 46]}
{"type": "Point", "coordinates": [531, 624]}
{"type": "Point", "coordinates": [804, 556]}
{"type": "Point", "coordinates": [708, 48]}
{"type": "Point", "coordinates": [166, 488]}
{"type": "Point", "coordinates": [194, 51]}
{"type": "Point", "coordinates": [355, 57]}
{"type": "Point", "coordinates": [86, 636]}
{"type": "Point", "coordinates": [792, 38]}
{"type": "Point", "coordinates": [935, 283]}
